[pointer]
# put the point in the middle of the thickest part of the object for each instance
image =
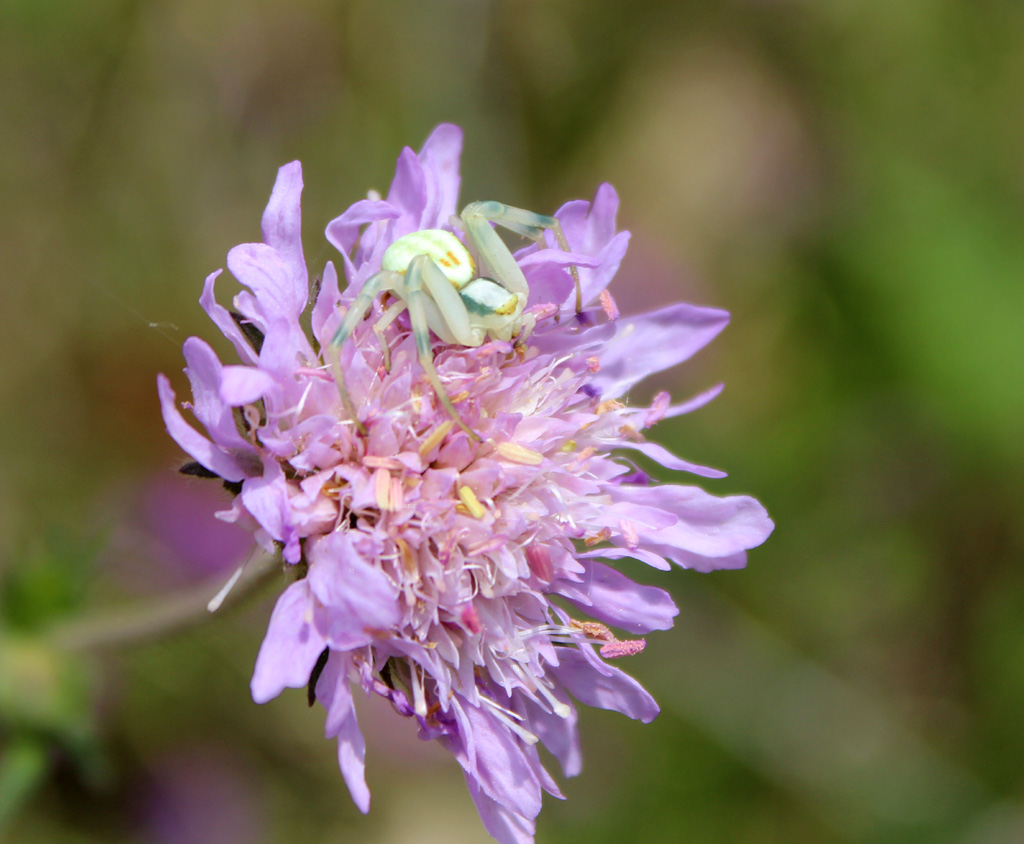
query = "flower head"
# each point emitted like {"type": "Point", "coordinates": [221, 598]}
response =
{"type": "Point", "coordinates": [472, 584]}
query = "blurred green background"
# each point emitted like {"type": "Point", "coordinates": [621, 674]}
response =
{"type": "Point", "coordinates": [846, 177]}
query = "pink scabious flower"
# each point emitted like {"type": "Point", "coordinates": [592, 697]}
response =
{"type": "Point", "coordinates": [472, 584]}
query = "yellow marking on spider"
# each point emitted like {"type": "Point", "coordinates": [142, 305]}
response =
{"type": "Point", "coordinates": [472, 503]}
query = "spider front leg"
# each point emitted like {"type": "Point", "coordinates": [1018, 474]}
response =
{"type": "Point", "coordinates": [374, 286]}
{"type": "Point", "coordinates": [424, 272]}
{"type": "Point", "coordinates": [492, 250]}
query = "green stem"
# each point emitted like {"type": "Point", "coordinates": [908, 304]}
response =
{"type": "Point", "coordinates": [168, 615]}
{"type": "Point", "coordinates": [23, 766]}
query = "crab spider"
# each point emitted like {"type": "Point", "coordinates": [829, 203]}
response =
{"type": "Point", "coordinates": [434, 276]}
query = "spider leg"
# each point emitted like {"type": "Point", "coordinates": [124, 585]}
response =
{"type": "Point", "coordinates": [384, 280]}
{"type": "Point", "coordinates": [477, 218]}
{"type": "Point", "coordinates": [451, 308]}
{"type": "Point", "coordinates": [390, 315]}
{"type": "Point", "coordinates": [414, 297]}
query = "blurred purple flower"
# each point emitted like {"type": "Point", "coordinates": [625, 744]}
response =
{"type": "Point", "coordinates": [175, 513]}
{"type": "Point", "coordinates": [198, 795]}
{"type": "Point", "coordinates": [427, 562]}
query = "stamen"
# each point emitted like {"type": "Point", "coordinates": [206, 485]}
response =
{"type": "Point", "coordinates": [382, 488]}
{"type": "Point", "coordinates": [472, 503]}
{"type": "Point", "coordinates": [629, 647]}
{"type": "Point", "coordinates": [419, 698]}
{"type": "Point", "coordinates": [505, 716]}
{"type": "Point", "coordinates": [594, 630]}
{"type": "Point", "coordinates": [608, 303]}
{"type": "Point", "coordinates": [435, 438]}
{"type": "Point", "coordinates": [537, 684]}
{"type": "Point", "coordinates": [519, 454]}
{"type": "Point", "coordinates": [218, 599]}
{"type": "Point", "coordinates": [629, 533]}
{"type": "Point", "coordinates": [562, 710]}
{"type": "Point", "coordinates": [471, 619]}
{"type": "Point", "coordinates": [538, 557]}
{"type": "Point", "coordinates": [396, 495]}
{"type": "Point", "coordinates": [373, 462]}
{"type": "Point", "coordinates": [409, 565]}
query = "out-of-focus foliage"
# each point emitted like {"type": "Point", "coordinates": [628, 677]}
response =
{"type": "Point", "coordinates": [846, 177]}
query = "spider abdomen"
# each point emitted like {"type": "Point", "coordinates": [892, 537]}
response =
{"type": "Point", "coordinates": [442, 247]}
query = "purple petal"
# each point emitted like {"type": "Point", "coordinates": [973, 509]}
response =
{"type": "Point", "coordinates": [266, 272]}
{"type": "Point", "coordinates": [359, 598]}
{"type": "Point", "coordinates": [644, 555]}
{"type": "Point", "coordinates": [408, 192]}
{"type": "Point", "coordinates": [291, 647]}
{"type": "Point", "coordinates": [333, 691]}
{"type": "Point", "coordinates": [198, 447]}
{"type": "Point", "coordinates": [654, 342]}
{"type": "Point", "coordinates": [697, 562]}
{"type": "Point", "coordinates": [440, 158]}
{"type": "Point", "coordinates": [243, 384]}
{"type": "Point", "coordinates": [590, 227]}
{"type": "Point", "coordinates": [670, 461]}
{"type": "Point", "coordinates": [555, 258]}
{"type": "Point", "coordinates": [326, 318]}
{"type": "Point", "coordinates": [695, 403]}
{"type": "Point", "coordinates": [282, 223]}
{"type": "Point", "coordinates": [611, 597]}
{"type": "Point", "coordinates": [616, 690]}
{"type": "Point", "coordinates": [206, 373]}
{"type": "Point", "coordinates": [707, 525]}
{"type": "Point", "coordinates": [222, 318]}
{"type": "Point", "coordinates": [592, 282]}
{"type": "Point", "coordinates": [343, 232]}
{"type": "Point", "coordinates": [275, 304]}
{"type": "Point", "coordinates": [503, 825]}
{"type": "Point", "coordinates": [266, 498]}
{"type": "Point", "coordinates": [501, 769]}
{"type": "Point", "coordinates": [559, 735]}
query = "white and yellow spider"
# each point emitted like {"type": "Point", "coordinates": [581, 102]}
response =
{"type": "Point", "coordinates": [434, 276]}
